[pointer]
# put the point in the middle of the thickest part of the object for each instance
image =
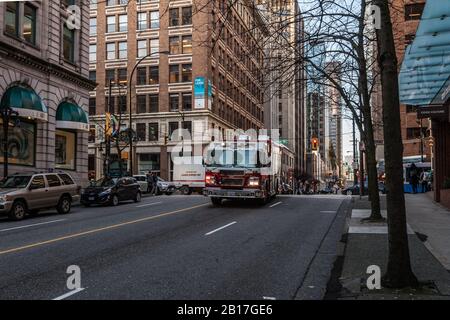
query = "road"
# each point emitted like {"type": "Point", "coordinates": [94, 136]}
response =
{"type": "Point", "coordinates": [171, 247]}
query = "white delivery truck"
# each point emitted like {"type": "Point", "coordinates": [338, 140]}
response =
{"type": "Point", "coordinates": [189, 176]}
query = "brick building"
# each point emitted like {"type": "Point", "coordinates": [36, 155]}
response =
{"type": "Point", "coordinates": [405, 15]}
{"type": "Point", "coordinates": [44, 77]}
{"type": "Point", "coordinates": [205, 73]}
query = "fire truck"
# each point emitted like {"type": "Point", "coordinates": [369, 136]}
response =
{"type": "Point", "coordinates": [242, 169]}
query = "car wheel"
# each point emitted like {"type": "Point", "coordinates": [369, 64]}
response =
{"type": "Point", "coordinates": [64, 205]}
{"type": "Point", "coordinates": [216, 201]}
{"type": "Point", "coordinates": [18, 211]}
{"type": "Point", "coordinates": [137, 198]}
{"type": "Point", "coordinates": [185, 190]}
{"type": "Point", "coordinates": [115, 200]}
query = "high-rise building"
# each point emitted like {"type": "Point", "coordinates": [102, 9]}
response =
{"type": "Point", "coordinates": [44, 77]}
{"type": "Point", "coordinates": [285, 79]}
{"type": "Point", "coordinates": [201, 69]}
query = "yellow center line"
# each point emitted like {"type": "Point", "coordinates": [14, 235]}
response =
{"type": "Point", "coordinates": [75, 235]}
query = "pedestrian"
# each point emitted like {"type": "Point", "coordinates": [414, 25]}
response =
{"type": "Point", "coordinates": [414, 178]}
{"type": "Point", "coordinates": [424, 181]}
{"type": "Point", "coordinates": [149, 182]}
{"type": "Point", "coordinates": [155, 184]}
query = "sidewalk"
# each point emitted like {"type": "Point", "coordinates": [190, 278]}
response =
{"type": "Point", "coordinates": [367, 244]}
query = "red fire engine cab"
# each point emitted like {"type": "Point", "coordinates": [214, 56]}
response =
{"type": "Point", "coordinates": [242, 169]}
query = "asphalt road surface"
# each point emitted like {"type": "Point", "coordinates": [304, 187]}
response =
{"type": "Point", "coordinates": [170, 247]}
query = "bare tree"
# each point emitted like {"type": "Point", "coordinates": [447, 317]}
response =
{"type": "Point", "coordinates": [399, 273]}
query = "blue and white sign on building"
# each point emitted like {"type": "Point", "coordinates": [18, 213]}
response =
{"type": "Point", "coordinates": [199, 93]}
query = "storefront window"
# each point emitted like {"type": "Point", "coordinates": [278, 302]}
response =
{"type": "Point", "coordinates": [22, 145]}
{"type": "Point", "coordinates": [65, 149]}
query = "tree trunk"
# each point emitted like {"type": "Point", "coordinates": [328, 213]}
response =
{"type": "Point", "coordinates": [372, 174]}
{"type": "Point", "coordinates": [399, 273]}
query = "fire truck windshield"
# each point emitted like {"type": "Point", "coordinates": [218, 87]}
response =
{"type": "Point", "coordinates": [238, 157]}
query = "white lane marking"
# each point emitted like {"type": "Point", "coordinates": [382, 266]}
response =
{"type": "Point", "coordinates": [269, 298]}
{"type": "Point", "coordinates": [276, 204]}
{"type": "Point", "coordinates": [221, 228]}
{"type": "Point", "coordinates": [327, 211]}
{"type": "Point", "coordinates": [32, 225]}
{"type": "Point", "coordinates": [68, 294]}
{"type": "Point", "coordinates": [148, 204]}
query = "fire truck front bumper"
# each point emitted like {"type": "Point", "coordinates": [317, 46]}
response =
{"type": "Point", "coordinates": [234, 194]}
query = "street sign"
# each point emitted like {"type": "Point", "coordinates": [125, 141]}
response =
{"type": "Point", "coordinates": [434, 112]}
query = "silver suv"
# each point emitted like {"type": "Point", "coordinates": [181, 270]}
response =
{"type": "Point", "coordinates": [28, 193]}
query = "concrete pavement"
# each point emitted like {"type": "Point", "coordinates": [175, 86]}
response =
{"type": "Point", "coordinates": [177, 247]}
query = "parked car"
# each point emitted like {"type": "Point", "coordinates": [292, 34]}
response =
{"type": "Point", "coordinates": [354, 190]}
{"type": "Point", "coordinates": [143, 183]}
{"type": "Point", "coordinates": [108, 191]}
{"type": "Point", "coordinates": [21, 194]}
{"type": "Point", "coordinates": [165, 187]}
{"type": "Point", "coordinates": [326, 190]}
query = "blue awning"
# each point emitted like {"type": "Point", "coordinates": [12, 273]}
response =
{"type": "Point", "coordinates": [425, 73]}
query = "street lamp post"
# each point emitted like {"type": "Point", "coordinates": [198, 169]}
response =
{"type": "Point", "coordinates": [7, 115]}
{"type": "Point", "coordinates": [130, 131]}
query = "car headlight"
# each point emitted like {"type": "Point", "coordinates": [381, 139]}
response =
{"type": "Point", "coordinates": [4, 198]}
{"type": "Point", "coordinates": [164, 185]}
{"type": "Point", "coordinates": [253, 182]}
{"type": "Point", "coordinates": [105, 193]}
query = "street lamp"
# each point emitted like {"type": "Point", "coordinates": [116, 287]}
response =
{"type": "Point", "coordinates": [7, 115]}
{"type": "Point", "coordinates": [130, 131]}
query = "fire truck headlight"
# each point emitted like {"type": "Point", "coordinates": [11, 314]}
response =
{"type": "Point", "coordinates": [253, 182]}
{"type": "Point", "coordinates": [210, 179]}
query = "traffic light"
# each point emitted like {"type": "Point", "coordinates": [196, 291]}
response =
{"type": "Point", "coordinates": [166, 139]}
{"type": "Point", "coordinates": [315, 144]}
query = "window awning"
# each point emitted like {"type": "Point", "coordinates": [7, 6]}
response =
{"type": "Point", "coordinates": [25, 101]}
{"type": "Point", "coordinates": [71, 116]}
{"type": "Point", "coordinates": [424, 77]}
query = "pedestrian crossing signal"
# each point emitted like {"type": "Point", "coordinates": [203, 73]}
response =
{"type": "Point", "coordinates": [315, 144]}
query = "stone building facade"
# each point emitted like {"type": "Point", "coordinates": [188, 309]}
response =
{"type": "Point", "coordinates": [44, 77]}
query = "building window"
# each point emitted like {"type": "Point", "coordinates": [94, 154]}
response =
{"type": "Point", "coordinates": [141, 104]}
{"type": "Point", "coordinates": [142, 21]}
{"type": "Point", "coordinates": [154, 46]}
{"type": "Point", "coordinates": [186, 15]}
{"type": "Point", "coordinates": [93, 4]}
{"type": "Point", "coordinates": [174, 45]}
{"type": "Point", "coordinates": [92, 134]}
{"type": "Point", "coordinates": [92, 106]}
{"type": "Point", "coordinates": [154, 19]}
{"type": "Point", "coordinates": [122, 104]}
{"type": "Point", "coordinates": [141, 76]}
{"type": "Point", "coordinates": [186, 72]}
{"type": "Point", "coordinates": [414, 11]}
{"type": "Point", "coordinates": [92, 52]}
{"type": "Point", "coordinates": [140, 131]}
{"type": "Point", "coordinates": [154, 101]}
{"type": "Point", "coordinates": [29, 24]}
{"type": "Point", "coordinates": [93, 75]}
{"type": "Point", "coordinates": [122, 76]}
{"type": "Point", "coordinates": [92, 26]}
{"type": "Point", "coordinates": [173, 126]}
{"type": "Point", "coordinates": [174, 17]}
{"type": "Point", "coordinates": [174, 73]}
{"type": "Point", "coordinates": [149, 162]}
{"type": "Point", "coordinates": [410, 108]}
{"type": "Point", "coordinates": [142, 48]}
{"type": "Point", "coordinates": [154, 75]}
{"type": "Point", "coordinates": [123, 23]}
{"type": "Point", "coordinates": [110, 105]}
{"type": "Point", "coordinates": [187, 44]}
{"type": "Point", "coordinates": [110, 24]}
{"type": "Point", "coordinates": [68, 44]}
{"type": "Point", "coordinates": [123, 53]}
{"type": "Point", "coordinates": [23, 139]}
{"type": "Point", "coordinates": [187, 125]}
{"type": "Point", "coordinates": [153, 133]}
{"type": "Point", "coordinates": [65, 149]}
{"type": "Point", "coordinates": [414, 133]}
{"type": "Point", "coordinates": [174, 102]}
{"type": "Point", "coordinates": [111, 51]}
{"type": "Point", "coordinates": [110, 75]}
{"type": "Point", "coordinates": [12, 19]}
{"type": "Point", "coordinates": [187, 101]}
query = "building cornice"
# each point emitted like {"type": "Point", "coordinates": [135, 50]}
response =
{"type": "Point", "coordinates": [13, 53]}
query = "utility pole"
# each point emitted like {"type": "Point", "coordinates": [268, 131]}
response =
{"type": "Point", "coordinates": [355, 179]}
{"type": "Point", "coordinates": [107, 135]}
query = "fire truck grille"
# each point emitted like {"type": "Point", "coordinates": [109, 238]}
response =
{"type": "Point", "coordinates": [232, 182]}
{"type": "Point", "coordinates": [231, 173]}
